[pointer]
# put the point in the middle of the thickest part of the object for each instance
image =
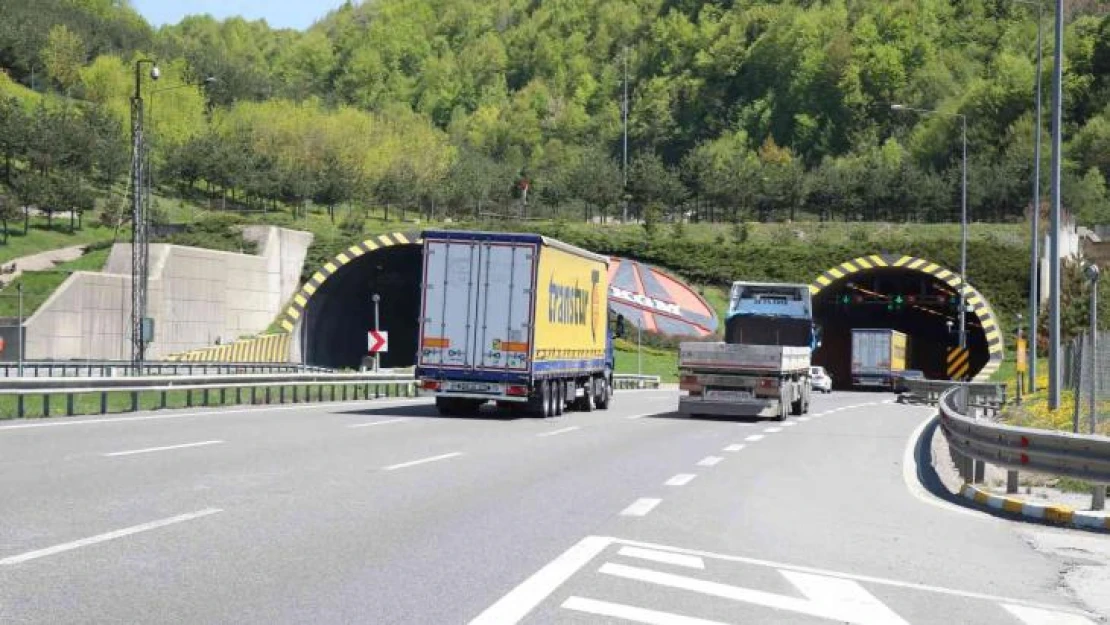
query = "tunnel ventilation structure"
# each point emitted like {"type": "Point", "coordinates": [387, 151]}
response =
{"type": "Point", "coordinates": [911, 287]}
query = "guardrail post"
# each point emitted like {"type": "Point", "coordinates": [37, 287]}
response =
{"type": "Point", "coordinates": [1098, 497]}
{"type": "Point", "coordinates": [189, 398]}
{"type": "Point", "coordinates": [134, 401]}
{"type": "Point", "coordinates": [344, 387]}
{"type": "Point", "coordinates": [367, 389]}
{"type": "Point", "coordinates": [104, 402]}
{"type": "Point", "coordinates": [267, 395]}
{"type": "Point", "coordinates": [205, 397]}
{"type": "Point", "coordinates": [296, 393]}
{"type": "Point", "coordinates": [1011, 482]}
{"type": "Point", "coordinates": [46, 404]}
{"type": "Point", "coordinates": [980, 468]}
{"type": "Point", "coordinates": [223, 396]}
{"type": "Point", "coordinates": [238, 395]}
{"type": "Point", "coordinates": [20, 409]}
{"type": "Point", "coordinates": [281, 394]}
{"type": "Point", "coordinates": [69, 404]}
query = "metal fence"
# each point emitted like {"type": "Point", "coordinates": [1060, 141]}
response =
{"type": "Point", "coordinates": [1082, 366]}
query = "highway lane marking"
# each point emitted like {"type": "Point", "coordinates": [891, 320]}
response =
{"type": "Point", "coordinates": [709, 461]}
{"type": "Point", "coordinates": [1037, 616]}
{"type": "Point", "coordinates": [561, 431]}
{"type": "Point", "coordinates": [734, 447]}
{"type": "Point", "coordinates": [665, 557]}
{"type": "Point", "coordinates": [209, 413]}
{"type": "Point", "coordinates": [632, 613]}
{"type": "Point", "coordinates": [641, 416]}
{"type": "Point", "coordinates": [754, 437]}
{"type": "Point", "coordinates": [772, 430]}
{"type": "Point", "coordinates": [413, 463]}
{"type": "Point", "coordinates": [682, 479]}
{"type": "Point", "coordinates": [100, 538]}
{"type": "Point", "coordinates": [836, 602]}
{"type": "Point", "coordinates": [521, 600]}
{"type": "Point", "coordinates": [789, 424]}
{"type": "Point", "coordinates": [881, 581]}
{"type": "Point", "coordinates": [384, 422]}
{"type": "Point", "coordinates": [803, 419]}
{"type": "Point", "coordinates": [844, 596]}
{"type": "Point", "coordinates": [911, 471]}
{"type": "Point", "coordinates": [148, 450]}
{"type": "Point", "coordinates": [641, 507]}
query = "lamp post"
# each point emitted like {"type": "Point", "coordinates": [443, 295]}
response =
{"type": "Point", "coordinates": [963, 210]}
{"type": "Point", "coordinates": [139, 240]}
{"type": "Point", "coordinates": [1035, 227]}
{"type": "Point", "coordinates": [1098, 499]}
{"type": "Point", "coordinates": [1054, 235]}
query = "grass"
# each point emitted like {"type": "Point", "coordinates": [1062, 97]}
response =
{"type": "Point", "coordinates": [39, 285]}
{"type": "Point", "coordinates": [40, 239]}
{"type": "Point", "coordinates": [717, 297]}
{"type": "Point", "coordinates": [660, 362]}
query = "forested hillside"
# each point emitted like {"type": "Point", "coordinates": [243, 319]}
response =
{"type": "Point", "coordinates": [746, 110]}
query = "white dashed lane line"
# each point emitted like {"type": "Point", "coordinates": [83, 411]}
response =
{"type": "Point", "coordinates": [772, 430]}
{"type": "Point", "coordinates": [754, 437]}
{"type": "Point", "coordinates": [562, 431]}
{"type": "Point", "coordinates": [734, 447]}
{"type": "Point", "coordinates": [709, 461]}
{"type": "Point", "coordinates": [682, 479]}
{"type": "Point", "coordinates": [412, 463]}
{"type": "Point", "coordinates": [641, 507]}
{"type": "Point", "coordinates": [789, 424]}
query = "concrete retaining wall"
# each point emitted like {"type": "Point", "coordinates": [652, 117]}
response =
{"type": "Point", "coordinates": [197, 298]}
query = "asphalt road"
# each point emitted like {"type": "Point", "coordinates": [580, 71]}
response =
{"type": "Point", "coordinates": [382, 512]}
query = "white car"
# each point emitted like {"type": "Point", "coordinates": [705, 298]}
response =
{"type": "Point", "coordinates": [820, 380]}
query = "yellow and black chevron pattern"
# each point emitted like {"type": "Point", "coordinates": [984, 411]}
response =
{"type": "Point", "coordinates": [268, 348]}
{"type": "Point", "coordinates": [296, 308]}
{"type": "Point", "coordinates": [980, 306]}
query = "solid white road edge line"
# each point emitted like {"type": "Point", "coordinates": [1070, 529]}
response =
{"type": "Point", "coordinates": [384, 422]}
{"type": "Point", "coordinates": [641, 507]}
{"type": "Point", "coordinates": [521, 600]}
{"type": "Point", "coordinates": [99, 538]}
{"type": "Point", "coordinates": [209, 413]}
{"type": "Point", "coordinates": [1038, 616]}
{"type": "Point", "coordinates": [562, 431]}
{"type": "Point", "coordinates": [709, 461]}
{"type": "Point", "coordinates": [909, 476]}
{"type": "Point", "coordinates": [665, 557]}
{"type": "Point", "coordinates": [413, 463]}
{"type": "Point", "coordinates": [682, 479]}
{"type": "Point", "coordinates": [166, 448]}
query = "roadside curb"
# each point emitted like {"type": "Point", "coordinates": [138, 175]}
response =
{"type": "Point", "coordinates": [1054, 514]}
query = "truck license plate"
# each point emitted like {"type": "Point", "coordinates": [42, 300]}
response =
{"type": "Point", "coordinates": [471, 387]}
{"type": "Point", "coordinates": [728, 395]}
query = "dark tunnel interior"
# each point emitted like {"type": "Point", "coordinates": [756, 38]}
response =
{"type": "Point", "coordinates": [341, 312]}
{"type": "Point", "coordinates": [901, 299]}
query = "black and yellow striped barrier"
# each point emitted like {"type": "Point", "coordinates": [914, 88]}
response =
{"type": "Point", "coordinates": [979, 305]}
{"type": "Point", "coordinates": [268, 348]}
{"type": "Point", "coordinates": [296, 308]}
{"type": "Point", "coordinates": [958, 363]}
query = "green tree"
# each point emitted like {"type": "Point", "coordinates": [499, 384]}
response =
{"type": "Point", "coordinates": [63, 56]}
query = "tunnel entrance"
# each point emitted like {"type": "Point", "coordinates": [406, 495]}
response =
{"type": "Point", "coordinates": [923, 306]}
{"type": "Point", "coordinates": [338, 315]}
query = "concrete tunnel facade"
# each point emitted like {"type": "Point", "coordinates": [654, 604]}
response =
{"type": "Point", "coordinates": [330, 315]}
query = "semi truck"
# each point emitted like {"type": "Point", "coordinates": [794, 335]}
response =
{"type": "Point", "coordinates": [878, 357]}
{"type": "Point", "coordinates": [517, 319]}
{"type": "Point", "coordinates": [762, 367]}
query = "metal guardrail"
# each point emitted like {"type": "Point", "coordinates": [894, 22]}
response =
{"type": "Point", "coordinates": [988, 396]}
{"type": "Point", "coordinates": [257, 388]}
{"type": "Point", "coordinates": [110, 368]}
{"type": "Point", "coordinates": [248, 388]}
{"type": "Point", "coordinates": [1084, 457]}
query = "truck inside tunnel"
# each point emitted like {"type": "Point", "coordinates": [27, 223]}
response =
{"type": "Point", "coordinates": [918, 304]}
{"type": "Point", "coordinates": [338, 316]}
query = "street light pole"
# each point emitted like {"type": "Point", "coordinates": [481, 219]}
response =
{"type": "Point", "coordinates": [139, 240]}
{"type": "Point", "coordinates": [1035, 222]}
{"type": "Point", "coordinates": [377, 355]}
{"type": "Point", "coordinates": [1054, 363]}
{"type": "Point", "coordinates": [963, 211]}
{"type": "Point", "coordinates": [624, 140]}
{"type": "Point", "coordinates": [1098, 500]}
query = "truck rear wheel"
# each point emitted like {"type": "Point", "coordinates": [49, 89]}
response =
{"type": "Point", "coordinates": [604, 395]}
{"type": "Point", "coordinates": [548, 399]}
{"type": "Point", "coordinates": [560, 388]}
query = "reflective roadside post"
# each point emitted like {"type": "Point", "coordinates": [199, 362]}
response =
{"type": "Point", "coordinates": [19, 330]}
{"type": "Point", "coordinates": [639, 351]}
{"type": "Point", "coordinates": [377, 355]}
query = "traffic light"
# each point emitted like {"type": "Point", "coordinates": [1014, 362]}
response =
{"type": "Point", "coordinates": [895, 303]}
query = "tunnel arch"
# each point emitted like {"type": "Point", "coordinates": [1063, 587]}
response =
{"type": "Point", "coordinates": [330, 314]}
{"type": "Point", "coordinates": [890, 264]}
